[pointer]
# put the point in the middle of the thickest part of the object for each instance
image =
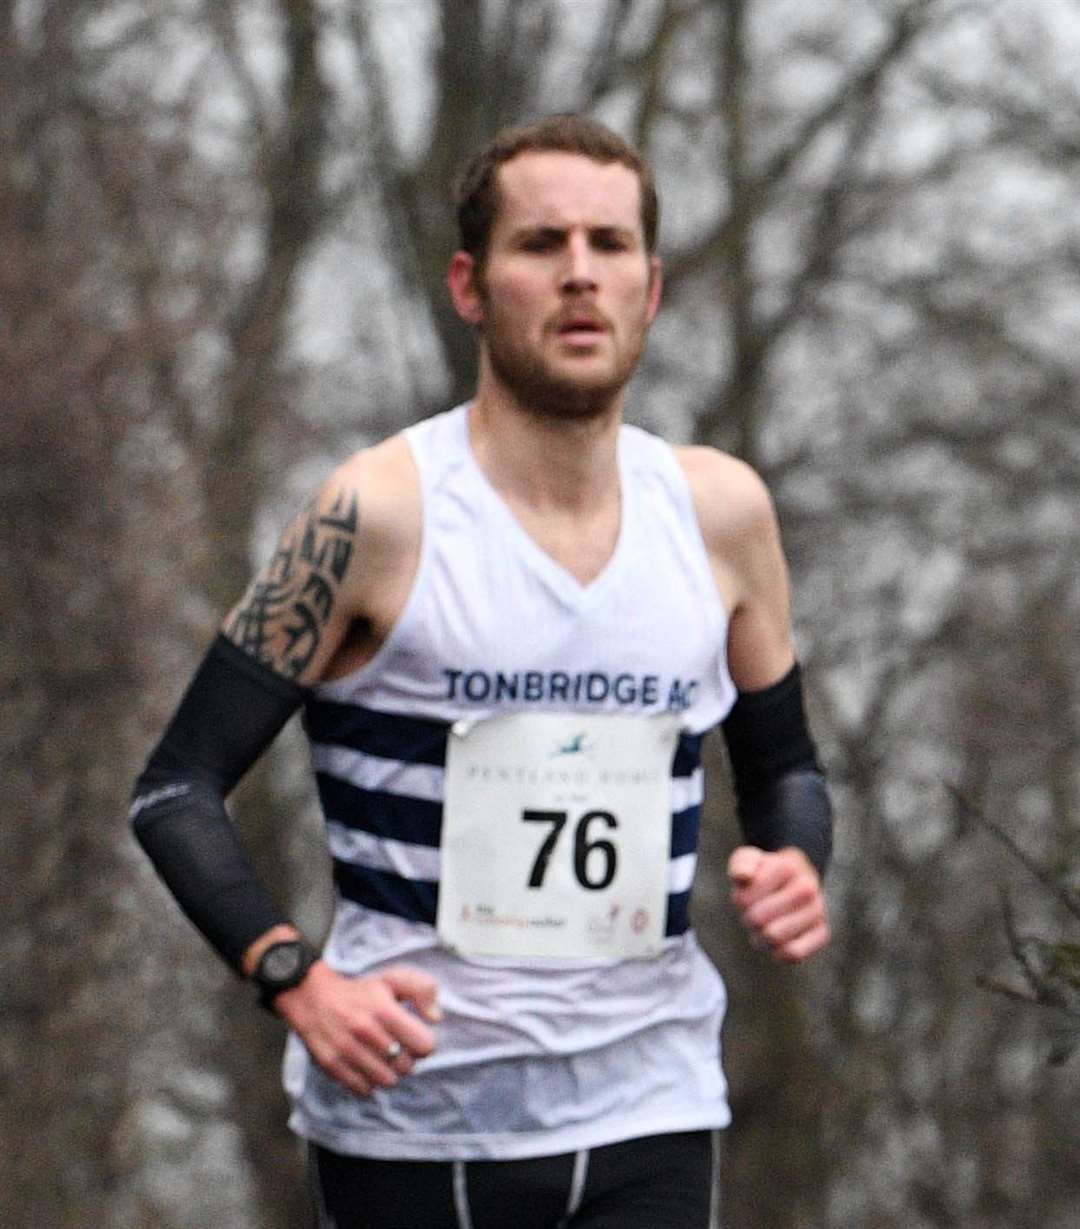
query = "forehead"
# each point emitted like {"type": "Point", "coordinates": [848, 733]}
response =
{"type": "Point", "coordinates": [565, 190]}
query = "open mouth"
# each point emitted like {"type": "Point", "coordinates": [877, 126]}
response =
{"type": "Point", "coordinates": [581, 328]}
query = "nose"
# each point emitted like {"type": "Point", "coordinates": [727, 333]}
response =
{"type": "Point", "coordinates": [578, 272]}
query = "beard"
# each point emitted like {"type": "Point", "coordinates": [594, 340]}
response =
{"type": "Point", "coordinates": [546, 390]}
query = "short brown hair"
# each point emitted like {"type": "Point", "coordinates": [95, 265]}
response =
{"type": "Point", "coordinates": [476, 195]}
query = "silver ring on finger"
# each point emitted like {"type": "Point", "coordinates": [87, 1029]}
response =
{"type": "Point", "coordinates": [393, 1051]}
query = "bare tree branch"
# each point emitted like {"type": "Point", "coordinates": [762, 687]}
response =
{"type": "Point", "coordinates": [1053, 885]}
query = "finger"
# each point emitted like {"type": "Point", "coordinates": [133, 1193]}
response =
{"type": "Point", "coordinates": [383, 1056]}
{"type": "Point", "coordinates": [415, 987]}
{"type": "Point", "coordinates": [803, 947]}
{"type": "Point", "coordinates": [792, 925]}
{"type": "Point", "coordinates": [384, 1020]}
{"type": "Point", "coordinates": [346, 1072]}
{"type": "Point", "coordinates": [396, 1055]}
{"type": "Point", "coordinates": [404, 1063]}
{"type": "Point", "coordinates": [799, 893]}
{"type": "Point", "coordinates": [759, 876]}
{"type": "Point", "coordinates": [359, 1046]}
{"type": "Point", "coordinates": [774, 873]}
{"type": "Point", "coordinates": [402, 1026]}
{"type": "Point", "coordinates": [382, 1063]}
{"type": "Point", "coordinates": [386, 1038]}
{"type": "Point", "coordinates": [743, 865]}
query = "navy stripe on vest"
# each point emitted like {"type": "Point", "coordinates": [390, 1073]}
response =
{"type": "Point", "coordinates": [417, 900]}
{"type": "Point", "coordinates": [678, 914]}
{"type": "Point", "coordinates": [419, 822]}
{"type": "Point", "coordinates": [685, 826]}
{"type": "Point", "coordinates": [392, 736]}
{"type": "Point", "coordinates": [687, 755]}
{"type": "Point", "coordinates": [420, 740]}
{"type": "Point", "coordinates": [414, 899]}
{"type": "Point", "coordinates": [391, 816]}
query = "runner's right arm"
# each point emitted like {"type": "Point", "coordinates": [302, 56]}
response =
{"type": "Point", "coordinates": [280, 638]}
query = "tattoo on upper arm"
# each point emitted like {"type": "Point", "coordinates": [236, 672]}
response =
{"type": "Point", "coordinates": [281, 619]}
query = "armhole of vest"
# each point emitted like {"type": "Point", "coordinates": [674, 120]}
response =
{"type": "Point", "coordinates": [655, 455]}
{"type": "Point", "coordinates": [680, 487]}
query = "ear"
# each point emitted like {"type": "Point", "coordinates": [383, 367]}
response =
{"type": "Point", "coordinates": [656, 283]}
{"type": "Point", "coordinates": [465, 294]}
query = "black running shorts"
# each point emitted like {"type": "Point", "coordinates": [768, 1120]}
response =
{"type": "Point", "coordinates": [658, 1182]}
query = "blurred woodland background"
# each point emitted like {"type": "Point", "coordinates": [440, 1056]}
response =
{"type": "Point", "coordinates": [223, 230]}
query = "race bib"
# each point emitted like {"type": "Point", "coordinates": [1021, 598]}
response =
{"type": "Point", "coordinates": [556, 835]}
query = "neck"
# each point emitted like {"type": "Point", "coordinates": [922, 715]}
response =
{"type": "Point", "coordinates": [545, 459]}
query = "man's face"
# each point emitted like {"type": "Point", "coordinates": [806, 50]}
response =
{"type": "Point", "coordinates": [567, 290]}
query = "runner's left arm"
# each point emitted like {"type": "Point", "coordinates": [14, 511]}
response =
{"type": "Point", "coordinates": [782, 800]}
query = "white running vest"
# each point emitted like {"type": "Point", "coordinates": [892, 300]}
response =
{"type": "Point", "coordinates": [534, 1056]}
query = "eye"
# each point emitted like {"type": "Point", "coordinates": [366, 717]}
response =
{"type": "Point", "coordinates": [611, 241]}
{"type": "Point", "coordinates": [540, 241]}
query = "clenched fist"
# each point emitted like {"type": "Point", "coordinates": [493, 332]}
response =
{"type": "Point", "coordinates": [779, 898]}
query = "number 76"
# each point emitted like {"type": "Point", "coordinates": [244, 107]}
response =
{"type": "Point", "coordinates": [583, 847]}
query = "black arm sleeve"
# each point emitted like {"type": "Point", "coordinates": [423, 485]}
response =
{"type": "Point", "coordinates": [779, 786]}
{"type": "Point", "coordinates": [232, 710]}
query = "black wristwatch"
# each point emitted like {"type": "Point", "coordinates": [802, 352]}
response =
{"type": "Point", "coordinates": [282, 966]}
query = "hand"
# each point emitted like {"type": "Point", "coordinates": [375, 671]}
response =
{"type": "Point", "coordinates": [780, 900]}
{"type": "Point", "coordinates": [349, 1023]}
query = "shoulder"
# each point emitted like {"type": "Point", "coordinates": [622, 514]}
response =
{"type": "Point", "coordinates": [742, 536]}
{"type": "Point", "coordinates": [353, 542]}
{"type": "Point", "coordinates": [366, 516]}
{"type": "Point", "coordinates": [382, 485]}
{"type": "Point", "coordinates": [383, 468]}
{"type": "Point", "coordinates": [732, 502]}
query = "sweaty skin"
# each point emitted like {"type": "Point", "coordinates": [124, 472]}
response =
{"type": "Point", "coordinates": [561, 306]}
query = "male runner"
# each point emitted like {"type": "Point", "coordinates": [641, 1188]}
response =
{"type": "Point", "coordinates": [509, 628]}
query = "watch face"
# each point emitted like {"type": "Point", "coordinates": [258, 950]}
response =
{"type": "Point", "coordinates": [281, 962]}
